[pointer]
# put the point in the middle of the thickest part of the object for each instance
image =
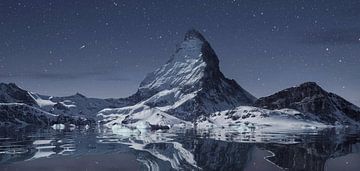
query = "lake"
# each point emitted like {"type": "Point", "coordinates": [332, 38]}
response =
{"type": "Point", "coordinates": [184, 149]}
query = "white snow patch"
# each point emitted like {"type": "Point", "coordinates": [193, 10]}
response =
{"type": "Point", "coordinates": [58, 126]}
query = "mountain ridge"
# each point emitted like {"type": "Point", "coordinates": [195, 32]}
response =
{"type": "Point", "coordinates": [309, 97]}
{"type": "Point", "coordinates": [21, 107]}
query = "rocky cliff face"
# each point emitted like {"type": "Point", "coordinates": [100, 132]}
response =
{"type": "Point", "coordinates": [311, 98]}
{"type": "Point", "coordinates": [11, 93]}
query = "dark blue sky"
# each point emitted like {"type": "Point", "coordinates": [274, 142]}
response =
{"type": "Point", "coordinates": [104, 48]}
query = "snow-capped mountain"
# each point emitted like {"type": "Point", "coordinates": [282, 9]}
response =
{"type": "Point", "coordinates": [310, 98]}
{"type": "Point", "coordinates": [18, 106]}
{"type": "Point", "coordinates": [190, 84]}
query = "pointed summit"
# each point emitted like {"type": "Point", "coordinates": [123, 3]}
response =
{"type": "Point", "coordinates": [195, 46]}
{"type": "Point", "coordinates": [191, 82]}
{"type": "Point", "coordinates": [194, 34]}
{"type": "Point", "coordinates": [207, 53]}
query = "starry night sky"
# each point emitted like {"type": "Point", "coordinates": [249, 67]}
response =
{"type": "Point", "coordinates": [104, 48]}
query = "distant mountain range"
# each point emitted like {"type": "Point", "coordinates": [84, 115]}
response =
{"type": "Point", "coordinates": [189, 89]}
{"type": "Point", "coordinates": [21, 107]}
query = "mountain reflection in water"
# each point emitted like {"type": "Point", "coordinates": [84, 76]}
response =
{"type": "Point", "coordinates": [100, 149]}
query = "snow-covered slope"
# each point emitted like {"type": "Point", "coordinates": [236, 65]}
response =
{"type": "Point", "coordinates": [191, 84]}
{"type": "Point", "coordinates": [247, 118]}
{"type": "Point", "coordinates": [310, 98]}
{"type": "Point", "coordinates": [140, 116]}
{"type": "Point", "coordinates": [240, 119]}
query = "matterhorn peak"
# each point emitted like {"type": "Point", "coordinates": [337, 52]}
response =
{"type": "Point", "coordinates": [191, 82]}
{"type": "Point", "coordinates": [196, 47]}
{"type": "Point", "coordinates": [194, 34]}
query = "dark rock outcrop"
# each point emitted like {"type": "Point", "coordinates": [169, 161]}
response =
{"type": "Point", "coordinates": [11, 93]}
{"type": "Point", "coordinates": [311, 98]}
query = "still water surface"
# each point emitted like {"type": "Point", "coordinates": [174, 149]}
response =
{"type": "Point", "coordinates": [100, 149]}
